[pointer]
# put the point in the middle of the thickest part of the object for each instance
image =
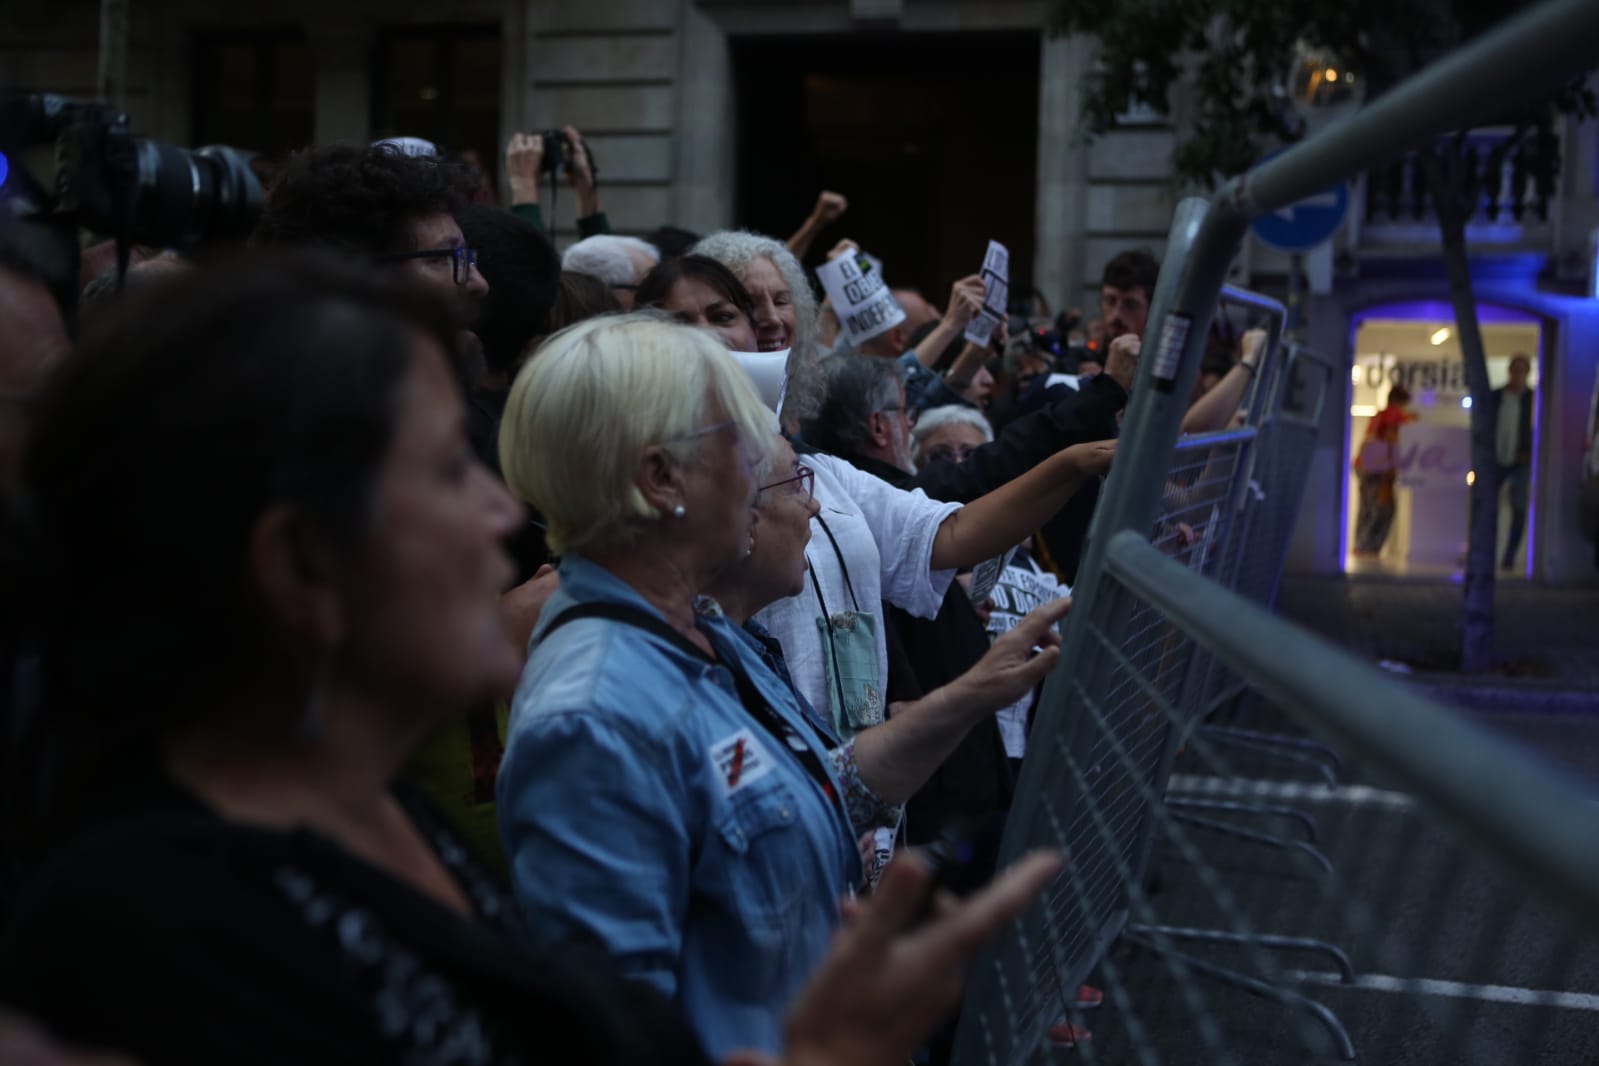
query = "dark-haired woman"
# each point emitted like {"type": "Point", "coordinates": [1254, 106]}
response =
{"type": "Point", "coordinates": [262, 470]}
{"type": "Point", "coordinates": [699, 291]}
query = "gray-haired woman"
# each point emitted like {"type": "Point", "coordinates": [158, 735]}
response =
{"type": "Point", "coordinates": [785, 310]}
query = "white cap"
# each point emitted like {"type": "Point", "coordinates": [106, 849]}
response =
{"type": "Point", "coordinates": [412, 146]}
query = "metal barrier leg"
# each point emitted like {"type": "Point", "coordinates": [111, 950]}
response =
{"type": "Point", "coordinates": [1327, 773]}
{"type": "Point", "coordinates": [1294, 814]}
{"type": "Point", "coordinates": [1240, 833]}
{"type": "Point", "coordinates": [1277, 740]}
{"type": "Point", "coordinates": [1339, 957]}
{"type": "Point", "coordinates": [1254, 985]}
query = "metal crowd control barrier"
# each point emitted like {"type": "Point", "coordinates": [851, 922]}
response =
{"type": "Point", "coordinates": [1454, 918]}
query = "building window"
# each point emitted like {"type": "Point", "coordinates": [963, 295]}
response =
{"type": "Point", "coordinates": [440, 83]}
{"type": "Point", "coordinates": [253, 89]}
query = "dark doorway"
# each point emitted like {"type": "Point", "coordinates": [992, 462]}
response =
{"type": "Point", "coordinates": [253, 89]}
{"type": "Point", "coordinates": [932, 137]}
{"type": "Point", "coordinates": [441, 83]}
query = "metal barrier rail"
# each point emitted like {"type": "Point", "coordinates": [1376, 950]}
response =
{"type": "Point", "coordinates": [1154, 645]}
{"type": "Point", "coordinates": [1391, 728]}
{"type": "Point", "coordinates": [1276, 326]}
{"type": "Point", "coordinates": [1283, 917]}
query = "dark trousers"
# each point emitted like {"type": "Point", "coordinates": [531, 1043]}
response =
{"type": "Point", "coordinates": [1376, 515]}
{"type": "Point", "coordinates": [1514, 480]}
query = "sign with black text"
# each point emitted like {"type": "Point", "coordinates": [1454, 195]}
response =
{"type": "Point", "coordinates": [860, 297]}
{"type": "Point", "coordinates": [996, 294]}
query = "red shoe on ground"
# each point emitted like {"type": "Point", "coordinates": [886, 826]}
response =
{"type": "Point", "coordinates": [1065, 1034]}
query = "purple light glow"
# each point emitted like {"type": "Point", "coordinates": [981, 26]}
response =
{"type": "Point", "coordinates": [1442, 311]}
{"type": "Point", "coordinates": [1532, 475]}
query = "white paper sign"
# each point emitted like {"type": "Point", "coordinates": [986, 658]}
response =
{"type": "Point", "coordinates": [985, 575]}
{"type": "Point", "coordinates": [1173, 335]}
{"type": "Point", "coordinates": [769, 373]}
{"type": "Point", "coordinates": [860, 297]}
{"type": "Point", "coordinates": [996, 281]}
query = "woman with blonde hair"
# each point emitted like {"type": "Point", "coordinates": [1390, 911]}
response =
{"type": "Point", "coordinates": [663, 790]}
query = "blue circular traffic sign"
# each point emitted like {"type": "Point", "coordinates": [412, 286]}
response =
{"type": "Point", "coordinates": [1301, 226]}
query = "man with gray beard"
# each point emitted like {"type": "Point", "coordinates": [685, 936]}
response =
{"type": "Point", "coordinates": [862, 420]}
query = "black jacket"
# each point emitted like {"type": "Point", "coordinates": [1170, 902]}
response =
{"type": "Point", "coordinates": [1523, 430]}
{"type": "Point", "coordinates": [176, 935]}
{"type": "Point", "coordinates": [975, 781]}
{"type": "Point", "coordinates": [1076, 418]}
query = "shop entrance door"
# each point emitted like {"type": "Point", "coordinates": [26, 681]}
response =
{"type": "Point", "coordinates": [1409, 473]}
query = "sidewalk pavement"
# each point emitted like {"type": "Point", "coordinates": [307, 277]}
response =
{"type": "Point", "coordinates": [1546, 637]}
{"type": "Point", "coordinates": [1547, 697]}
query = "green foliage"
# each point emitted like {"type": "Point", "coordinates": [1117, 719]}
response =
{"type": "Point", "coordinates": [1241, 56]}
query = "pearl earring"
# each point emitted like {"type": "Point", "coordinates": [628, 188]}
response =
{"type": "Point", "coordinates": [678, 511]}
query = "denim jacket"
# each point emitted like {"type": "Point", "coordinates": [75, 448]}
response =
{"type": "Point", "coordinates": [642, 805]}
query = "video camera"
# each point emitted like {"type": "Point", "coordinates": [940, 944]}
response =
{"type": "Point", "coordinates": [77, 165]}
{"type": "Point", "coordinates": [558, 153]}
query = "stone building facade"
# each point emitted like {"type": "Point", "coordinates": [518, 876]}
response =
{"type": "Point", "coordinates": [656, 87]}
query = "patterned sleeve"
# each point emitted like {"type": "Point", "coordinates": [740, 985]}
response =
{"type": "Point", "coordinates": [867, 810]}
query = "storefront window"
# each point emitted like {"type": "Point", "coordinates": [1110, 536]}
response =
{"type": "Point", "coordinates": [1410, 468]}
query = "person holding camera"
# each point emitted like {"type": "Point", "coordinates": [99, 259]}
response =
{"type": "Point", "coordinates": [529, 157]}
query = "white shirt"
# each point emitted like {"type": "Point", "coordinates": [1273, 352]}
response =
{"type": "Point", "coordinates": [1509, 429]}
{"type": "Point", "coordinates": [885, 536]}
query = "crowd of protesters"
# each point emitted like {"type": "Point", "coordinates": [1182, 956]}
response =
{"type": "Point", "coordinates": [423, 645]}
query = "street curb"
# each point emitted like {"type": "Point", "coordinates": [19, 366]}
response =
{"type": "Point", "coordinates": [1531, 698]}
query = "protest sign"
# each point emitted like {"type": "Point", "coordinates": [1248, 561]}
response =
{"type": "Point", "coordinates": [861, 299]}
{"type": "Point", "coordinates": [996, 298]}
{"type": "Point", "coordinates": [985, 575]}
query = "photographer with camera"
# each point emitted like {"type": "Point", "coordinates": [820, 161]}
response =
{"type": "Point", "coordinates": [531, 156]}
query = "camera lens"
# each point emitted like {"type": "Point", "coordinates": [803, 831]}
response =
{"type": "Point", "coordinates": [184, 198]}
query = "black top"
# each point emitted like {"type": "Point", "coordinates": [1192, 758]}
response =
{"type": "Point", "coordinates": [1071, 417]}
{"type": "Point", "coordinates": [1523, 427]}
{"type": "Point", "coordinates": [1074, 418]}
{"type": "Point", "coordinates": [975, 780]}
{"type": "Point", "coordinates": [175, 935]}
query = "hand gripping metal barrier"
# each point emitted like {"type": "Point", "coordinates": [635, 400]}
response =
{"type": "Point", "coordinates": [1461, 881]}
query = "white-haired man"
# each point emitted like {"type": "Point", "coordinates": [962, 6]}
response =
{"type": "Point", "coordinates": [620, 262]}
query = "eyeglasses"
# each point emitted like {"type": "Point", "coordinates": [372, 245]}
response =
{"type": "Point", "coordinates": [804, 475]}
{"type": "Point", "coordinates": [949, 453]}
{"type": "Point", "coordinates": [462, 260]}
